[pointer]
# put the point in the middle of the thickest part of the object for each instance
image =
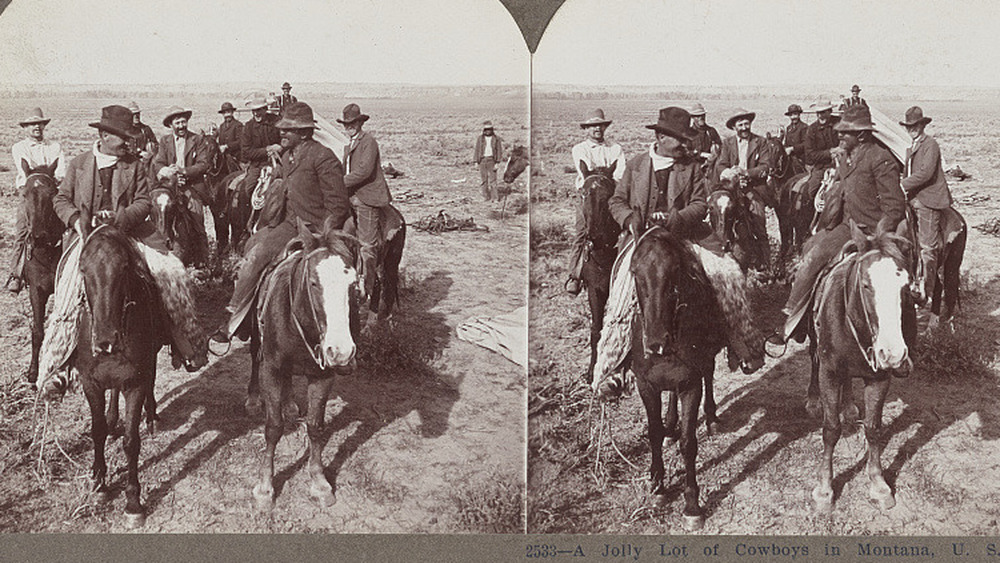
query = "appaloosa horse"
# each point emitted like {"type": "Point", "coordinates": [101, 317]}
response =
{"type": "Point", "coordinates": [680, 329]}
{"type": "Point", "coordinates": [306, 321]}
{"type": "Point", "coordinates": [42, 252]}
{"type": "Point", "coordinates": [118, 339]}
{"type": "Point", "coordinates": [600, 252]}
{"type": "Point", "coordinates": [863, 327]}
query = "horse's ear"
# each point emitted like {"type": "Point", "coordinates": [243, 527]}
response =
{"type": "Point", "coordinates": [861, 240]}
{"type": "Point", "coordinates": [329, 225]}
{"type": "Point", "coordinates": [584, 169]}
{"type": "Point", "coordinates": [883, 226]}
{"type": "Point", "coordinates": [51, 169]}
{"type": "Point", "coordinates": [611, 169]}
{"type": "Point", "coordinates": [25, 167]}
{"type": "Point", "coordinates": [305, 235]}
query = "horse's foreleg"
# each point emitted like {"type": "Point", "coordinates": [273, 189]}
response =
{"type": "Point", "coordinates": [112, 413]}
{"type": "Point", "coordinates": [253, 405]}
{"type": "Point", "coordinates": [830, 390]}
{"type": "Point", "coordinates": [879, 491]}
{"type": "Point", "coordinates": [134, 398]}
{"type": "Point", "coordinates": [813, 406]}
{"type": "Point", "coordinates": [318, 392]}
{"type": "Point", "coordinates": [694, 517]}
{"type": "Point", "coordinates": [99, 436]}
{"type": "Point", "coordinates": [597, 301]}
{"type": "Point", "coordinates": [711, 419]}
{"type": "Point", "coordinates": [150, 399]}
{"type": "Point", "coordinates": [653, 404]}
{"type": "Point", "coordinates": [274, 394]}
{"type": "Point", "coordinates": [38, 300]}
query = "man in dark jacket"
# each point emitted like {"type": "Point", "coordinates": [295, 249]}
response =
{"type": "Point", "coordinates": [707, 142]}
{"type": "Point", "coordinates": [230, 134]}
{"type": "Point", "coordinates": [869, 178]}
{"type": "Point", "coordinates": [820, 147]}
{"type": "Point", "coordinates": [286, 99]}
{"type": "Point", "coordinates": [488, 152]}
{"type": "Point", "coordinates": [144, 143]}
{"type": "Point", "coordinates": [260, 140]}
{"type": "Point", "coordinates": [793, 138]}
{"type": "Point", "coordinates": [365, 182]}
{"type": "Point", "coordinates": [314, 190]}
{"type": "Point", "coordinates": [928, 192]}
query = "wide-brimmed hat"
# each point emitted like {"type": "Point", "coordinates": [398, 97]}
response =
{"type": "Point", "coordinates": [352, 113]}
{"type": "Point", "coordinates": [820, 105]}
{"type": "Point", "coordinates": [176, 111]}
{"type": "Point", "coordinates": [740, 114]}
{"type": "Point", "coordinates": [286, 86]}
{"type": "Point", "coordinates": [855, 88]}
{"type": "Point", "coordinates": [793, 109]}
{"type": "Point", "coordinates": [297, 116]}
{"type": "Point", "coordinates": [227, 106]}
{"type": "Point", "coordinates": [674, 121]}
{"type": "Point", "coordinates": [914, 116]}
{"type": "Point", "coordinates": [855, 118]}
{"type": "Point", "coordinates": [257, 102]}
{"type": "Point", "coordinates": [596, 117]}
{"type": "Point", "coordinates": [697, 109]}
{"type": "Point", "coordinates": [116, 120]}
{"type": "Point", "coordinates": [134, 107]}
{"type": "Point", "coordinates": [34, 117]}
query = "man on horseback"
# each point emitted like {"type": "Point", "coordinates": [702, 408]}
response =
{"type": "Point", "coordinates": [593, 152]}
{"type": "Point", "coordinates": [870, 192]}
{"type": "Point", "coordinates": [706, 143]}
{"type": "Point", "coordinates": [793, 137]}
{"type": "Point", "coordinates": [313, 180]}
{"type": "Point", "coordinates": [286, 99]}
{"type": "Point", "coordinates": [146, 145]}
{"type": "Point", "coordinates": [855, 99]}
{"type": "Point", "coordinates": [260, 140]}
{"type": "Point", "coordinates": [369, 192]}
{"type": "Point", "coordinates": [820, 146]}
{"type": "Point", "coordinates": [181, 162]}
{"type": "Point", "coordinates": [30, 153]}
{"type": "Point", "coordinates": [746, 159]}
{"type": "Point", "coordinates": [230, 132]}
{"type": "Point", "coordinates": [928, 193]}
{"type": "Point", "coordinates": [109, 185]}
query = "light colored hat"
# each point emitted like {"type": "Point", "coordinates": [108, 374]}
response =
{"type": "Point", "coordinates": [257, 102]}
{"type": "Point", "coordinates": [176, 111]}
{"type": "Point", "coordinates": [134, 107]}
{"type": "Point", "coordinates": [487, 125]}
{"type": "Point", "coordinates": [34, 117]}
{"type": "Point", "coordinates": [596, 118]}
{"type": "Point", "coordinates": [820, 105]}
{"type": "Point", "coordinates": [740, 114]}
{"type": "Point", "coordinates": [697, 109]}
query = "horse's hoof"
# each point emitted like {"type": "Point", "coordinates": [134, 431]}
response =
{"type": "Point", "coordinates": [713, 427]}
{"type": "Point", "coordinates": [693, 523]}
{"type": "Point", "coordinates": [823, 499]}
{"type": "Point", "coordinates": [322, 495]}
{"type": "Point", "coordinates": [659, 500]}
{"type": "Point", "coordinates": [882, 494]}
{"type": "Point", "coordinates": [253, 407]}
{"type": "Point", "coordinates": [849, 414]}
{"type": "Point", "coordinates": [814, 409]}
{"type": "Point", "coordinates": [263, 498]}
{"type": "Point", "coordinates": [101, 496]}
{"type": "Point", "coordinates": [135, 520]}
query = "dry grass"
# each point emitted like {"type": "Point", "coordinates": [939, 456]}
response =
{"type": "Point", "coordinates": [494, 505]}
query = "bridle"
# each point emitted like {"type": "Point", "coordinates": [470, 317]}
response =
{"type": "Point", "coordinates": [302, 270]}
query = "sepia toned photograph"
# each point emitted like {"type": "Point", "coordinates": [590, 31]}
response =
{"type": "Point", "coordinates": [267, 267]}
{"type": "Point", "coordinates": [763, 285]}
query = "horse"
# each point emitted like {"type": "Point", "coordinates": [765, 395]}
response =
{"type": "Point", "coordinates": [305, 322]}
{"type": "Point", "coordinates": [178, 225]}
{"type": "Point", "coordinates": [42, 252]}
{"type": "Point", "coordinates": [945, 298]}
{"type": "Point", "coordinates": [517, 162]}
{"type": "Point", "coordinates": [730, 217]}
{"type": "Point", "coordinates": [680, 328]}
{"type": "Point", "coordinates": [863, 326]}
{"type": "Point", "coordinates": [117, 342]}
{"type": "Point", "coordinates": [223, 165]}
{"type": "Point", "coordinates": [787, 194]}
{"type": "Point", "coordinates": [600, 251]}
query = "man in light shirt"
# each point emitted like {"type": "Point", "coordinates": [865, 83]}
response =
{"type": "Point", "coordinates": [31, 153]}
{"type": "Point", "coordinates": [489, 151]}
{"type": "Point", "coordinates": [593, 152]}
{"type": "Point", "coordinates": [707, 142]}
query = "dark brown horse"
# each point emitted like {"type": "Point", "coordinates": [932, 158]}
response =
{"type": "Point", "coordinates": [306, 319]}
{"type": "Point", "coordinates": [178, 225]}
{"type": "Point", "coordinates": [730, 216]}
{"type": "Point", "coordinates": [223, 166]}
{"type": "Point", "coordinates": [42, 252]}
{"type": "Point", "coordinates": [945, 299]}
{"type": "Point", "coordinates": [681, 327]}
{"type": "Point", "coordinates": [517, 162]}
{"type": "Point", "coordinates": [118, 340]}
{"type": "Point", "coordinates": [600, 252]}
{"type": "Point", "coordinates": [787, 196]}
{"type": "Point", "coordinates": [864, 327]}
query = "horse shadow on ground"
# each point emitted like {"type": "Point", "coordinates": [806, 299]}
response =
{"type": "Point", "coordinates": [933, 400]}
{"type": "Point", "coordinates": [395, 376]}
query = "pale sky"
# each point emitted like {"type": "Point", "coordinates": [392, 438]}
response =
{"type": "Point", "coordinates": [760, 42]}
{"type": "Point", "coordinates": [431, 42]}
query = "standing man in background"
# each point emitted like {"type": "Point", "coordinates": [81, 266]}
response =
{"type": "Point", "coordinates": [489, 151]}
{"type": "Point", "coordinates": [145, 142]}
{"type": "Point", "coordinates": [32, 152]}
{"type": "Point", "coordinates": [286, 98]}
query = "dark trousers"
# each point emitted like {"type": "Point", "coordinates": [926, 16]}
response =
{"type": "Point", "coordinates": [488, 174]}
{"type": "Point", "coordinates": [369, 222]}
{"type": "Point", "coordinates": [816, 254]}
{"type": "Point", "coordinates": [579, 239]}
{"type": "Point", "coordinates": [263, 247]}
{"type": "Point", "coordinates": [20, 238]}
{"type": "Point", "coordinates": [931, 242]}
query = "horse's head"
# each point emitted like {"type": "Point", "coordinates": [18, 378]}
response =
{"type": "Point", "coordinates": [105, 265]}
{"type": "Point", "coordinates": [330, 281]}
{"type": "Point", "coordinates": [721, 206]}
{"type": "Point", "coordinates": [598, 187]}
{"type": "Point", "coordinates": [43, 223]}
{"type": "Point", "coordinates": [516, 164]}
{"type": "Point", "coordinates": [662, 270]}
{"type": "Point", "coordinates": [881, 294]}
{"type": "Point", "coordinates": [163, 211]}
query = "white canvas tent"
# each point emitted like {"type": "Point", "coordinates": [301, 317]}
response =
{"type": "Point", "coordinates": [330, 136]}
{"type": "Point", "coordinates": [891, 134]}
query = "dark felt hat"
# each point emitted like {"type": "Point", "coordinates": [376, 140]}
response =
{"type": "Point", "coordinates": [116, 120]}
{"type": "Point", "coordinates": [793, 109]}
{"type": "Point", "coordinates": [352, 113]}
{"type": "Point", "coordinates": [227, 106]}
{"type": "Point", "coordinates": [297, 115]}
{"type": "Point", "coordinates": [914, 116]}
{"type": "Point", "coordinates": [674, 121]}
{"type": "Point", "coordinates": [855, 118]}
{"type": "Point", "coordinates": [286, 86]}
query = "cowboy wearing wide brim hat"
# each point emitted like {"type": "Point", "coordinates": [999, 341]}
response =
{"type": "Point", "coordinates": [297, 116]}
{"type": "Point", "coordinates": [740, 114]}
{"type": "Point", "coordinates": [793, 109]}
{"type": "Point", "coordinates": [855, 118]}
{"type": "Point", "coordinates": [145, 143]}
{"type": "Point", "coordinates": [35, 116]}
{"type": "Point", "coordinates": [596, 117]}
{"type": "Point", "coordinates": [674, 121]}
{"type": "Point", "coordinates": [793, 137]}
{"type": "Point", "coordinates": [706, 142]}
{"type": "Point", "coordinates": [256, 102]}
{"type": "Point", "coordinates": [174, 112]}
{"type": "Point", "coordinates": [227, 106]}
{"type": "Point", "coordinates": [914, 117]}
{"type": "Point", "coordinates": [352, 114]}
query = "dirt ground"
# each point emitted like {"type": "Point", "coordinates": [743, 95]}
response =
{"type": "Point", "coordinates": [756, 475]}
{"type": "Point", "coordinates": [426, 436]}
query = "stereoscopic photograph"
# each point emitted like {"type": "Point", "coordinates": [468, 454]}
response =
{"type": "Point", "coordinates": [763, 275]}
{"type": "Point", "coordinates": [266, 267]}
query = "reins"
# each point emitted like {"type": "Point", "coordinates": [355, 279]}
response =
{"type": "Point", "coordinates": [854, 271]}
{"type": "Point", "coordinates": [315, 351]}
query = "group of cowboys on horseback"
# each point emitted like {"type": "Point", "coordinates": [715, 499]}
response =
{"type": "Point", "coordinates": [111, 184]}
{"type": "Point", "coordinates": [669, 186]}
